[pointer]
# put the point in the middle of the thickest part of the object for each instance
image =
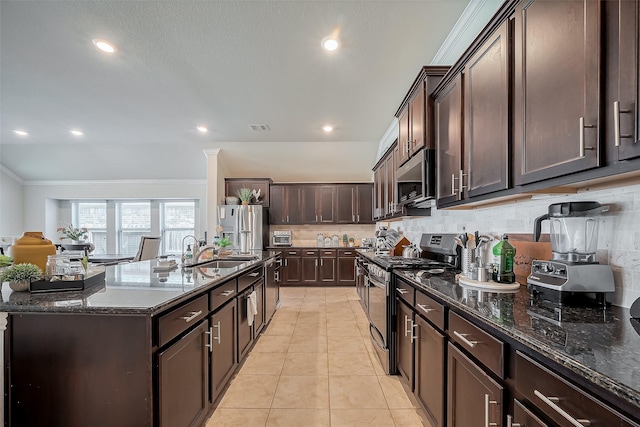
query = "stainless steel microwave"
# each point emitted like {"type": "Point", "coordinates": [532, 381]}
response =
{"type": "Point", "coordinates": [416, 178]}
{"type": "Point", "coordinates": [281, 238]}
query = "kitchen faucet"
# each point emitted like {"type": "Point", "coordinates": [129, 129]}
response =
{"type": "Point", "coordinates": [183, 258]}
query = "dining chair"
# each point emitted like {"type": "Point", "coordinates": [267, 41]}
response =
{"type": "Point", "coordinates": [148, 249]}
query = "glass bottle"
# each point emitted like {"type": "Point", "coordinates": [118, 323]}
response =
{"type": "Point", "coordinates": [188, 255]}
{"type": "Point", "coordinates": [505, 254]}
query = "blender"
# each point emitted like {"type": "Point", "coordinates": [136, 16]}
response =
{"type": "Point", "coordinates": [572, 270]}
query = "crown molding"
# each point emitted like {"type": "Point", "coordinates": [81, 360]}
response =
{"type": "Point", "coordinates": [388, 138]}
{"type": "Point", "coordinates": [461, 26]}
{"type": "Point", "coordinates": [11, 174]}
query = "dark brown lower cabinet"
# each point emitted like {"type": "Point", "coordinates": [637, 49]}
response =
{"type": "Point", "coordinates": [292, 268]}
{"type": "Point", "coordinates": [310, 269]}
{"type": "Point", "coordinates": [429, 372]}
{"type": "Point", "coordinates": [473, 397]}
{"type": "Point", "coordinates": [327, 268]}
{"type": "Point", "coordinates": [405, 333]}
{"type": "Point", "coordinates": [183, 370]}
{"type": "Point", "coordinates": [346, 267]}
{"type": "Point", "coordinates": [223, 347]}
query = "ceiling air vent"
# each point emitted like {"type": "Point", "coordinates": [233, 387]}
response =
{"type": "Point", "coordinates": [260, 127]}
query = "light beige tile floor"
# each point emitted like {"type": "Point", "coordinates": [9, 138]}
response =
{"type": "Point", "coordinates": [314, 366]}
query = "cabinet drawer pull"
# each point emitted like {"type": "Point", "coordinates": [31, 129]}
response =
{"type": "Point", "coordinates": [550, 401]}
{"type": "Point", "coordinates": [453, 184]}
{"type": "Point", "coordinates": [402, 291]}
{"type": "Point", "coordinates": [226, 293]}
{"type": "Point", "coordinates": [254, 274]}
{"type": "Point", "coordinates": [293, 253]}
{"type": "Point", "coordinates": [310, 253]}
{"type": "Point", "coordinates": [487, 401]}
{"type": "Point", "coordinates": [426, 309]}
{"type": "Point", "coordinates": [414, 337]}
{"type": "Point", "coordinates": [347, 253]}
{"type": "Point", "coordinates": [464, 339]}
{"type": "Point", "coordinates": [193, 315]}
{"type": "Point", "coordinates": [406, 320]}
{"type": "Point", "coordinates": [510, 422]}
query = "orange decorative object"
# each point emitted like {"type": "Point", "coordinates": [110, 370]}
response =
{"type": "Point", "coordinates": [32, 247]}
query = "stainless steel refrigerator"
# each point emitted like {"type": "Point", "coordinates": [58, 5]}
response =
{"type": "Point", "coordinates": [247, 226]}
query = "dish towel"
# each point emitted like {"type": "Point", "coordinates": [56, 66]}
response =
{"type": "Point", "coordinates": [252, 307]}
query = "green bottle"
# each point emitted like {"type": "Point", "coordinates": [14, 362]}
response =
{"type": "Point", "coordinates": [505, 253]}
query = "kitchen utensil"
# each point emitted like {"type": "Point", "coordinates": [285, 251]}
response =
{"type": "Point", "coordinates": [411, 251]}
{"type": "Point", "coordinates": [458, 241]}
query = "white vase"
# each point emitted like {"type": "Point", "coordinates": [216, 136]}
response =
{"type": "Point", "coordinates": [20, 285]}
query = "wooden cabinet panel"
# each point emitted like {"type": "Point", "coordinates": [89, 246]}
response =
{"type": "Point", "coordinates": [418, 120]}
{"type": "Point", "coordinates": [626, 114]}
{"type": "Point", "coordinates": [483, 346]}
{"type": "Point", "coordinates": [325, 203]}
{"type": "Point", "coordinates": [327, 270]}
{"type": "Point", "coordinates": [292, 269]}
{"type": "Point", "coordinates": [556, 88]}
{"type": "Point", "coordinates": [430, 371]}
{"type": "Point", "coordinates": [294, 202]}
{"type": "Point", "coordinates": [277, 209]}
{"type": "Point", "coordinates": [223, 347]}
{"type": "Point", "coordinates": [559, 400]}
{"type": "Point", "coordinates": [404, 135]}
{"type": "Point", "coordinates": [222, 294]}
{"type": "Point", "coordinates": [258, 320]}
{"type": "Point", "coordinates": [364, 204]}
{"type": "Point", "coordinates": [448, 122]}
{"type": "Point", "coordinates": [175, 322]}
{"type": "Point", "coordinates": [309, 204]}
{"type": "Point", "coordinates": [486, 102]}
{"type": "Point", "coordinates": [524, 417]}
{"type": "Point", "coordinates": [183, 372]}
{"type": "Point", "coordinates": [346, 267]}
{"type": "Point", "coordinates": [345, 201]}
{"type": "Point", "coordinates": [471, 394]}
{"type": "Point", "coordinates": [232, 185]}
{"type": "Point", "coordinates": [405, 333]}
{"type": "Point", "coordinates": [430, 309]}
{"type": "Point", "coordinates": [310, 267]}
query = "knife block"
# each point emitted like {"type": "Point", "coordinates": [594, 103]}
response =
{"type": "Point", "coordinates": [399, 246]}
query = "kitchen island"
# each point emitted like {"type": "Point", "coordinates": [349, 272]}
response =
{"type": "Point", "coordinates": [142, 349]}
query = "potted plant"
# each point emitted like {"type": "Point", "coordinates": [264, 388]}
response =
{"type": "Point", "coordinates": [20, 276]}
{"type": "Point", "coordinates": [223, 243]}
{"type": "Point", "coordinates": [245, 195]}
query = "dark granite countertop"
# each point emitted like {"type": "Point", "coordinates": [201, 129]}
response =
{"type": "Point", "coordinates": [130, 288]}
{"type": "Point", "coordinates": [600, 345]}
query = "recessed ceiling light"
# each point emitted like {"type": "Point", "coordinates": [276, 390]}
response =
{"type": "Point", "coordinates": [20, 132]}
{"type": "Point", "coordinates": [104, 45]}
{"type": "Point", "coordinates": [76, 132]}
{"type": "Point", "coordinates": [329, 43]}
{"type": "Point", "coordinates": [202, 129]}
{"type": "Point", "coordinates": [327, 128]}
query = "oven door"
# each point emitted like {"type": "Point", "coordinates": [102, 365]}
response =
{"type": "Point", "coordinates": [378, 296]}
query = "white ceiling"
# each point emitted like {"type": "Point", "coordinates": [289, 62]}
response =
{"type": "Point", "coordinates": [223, 64]}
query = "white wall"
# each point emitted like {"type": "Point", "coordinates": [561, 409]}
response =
{"type": "Point", "coordinates": [618, 242]}
{"type": "Point", "coordinates": [43, 211]}
{"type": "Point", "coordinates": [11, 204]}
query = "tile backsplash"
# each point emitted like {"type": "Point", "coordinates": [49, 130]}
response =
{"type": "Point", "coordinates": [618, 239]}
{"type": "Point", "coordinates": [305, 235]}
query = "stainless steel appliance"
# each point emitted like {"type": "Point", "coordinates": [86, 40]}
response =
{"type": "Point", "coordinates": [416, 179]}
{"type": "Point", "coordinates": [439, 252]}
{"type": "Point", "coordinates": [573, 268]}
{"type": "Point", "coordinates": [245, 225]}
{"type": "Point", "coordinates": [281, 238]}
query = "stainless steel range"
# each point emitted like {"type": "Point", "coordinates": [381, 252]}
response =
{"type": "Point", "coordinates": [439, 252]}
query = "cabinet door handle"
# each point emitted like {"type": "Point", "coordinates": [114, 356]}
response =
{"type": "Point", "coordinates": [193, 315]}
{"type": "Point", "coordinates": [616, 123]}
{"type": "Point", "coordinates": [487, 401]}
{"type": "Point", "coordinates": [358, 218]}
{"type": "Point", "coordinates": [353, 218]}
{"type": "Point", "coordinates": [453, 184]}
{"type": "Point", "coordinates": [210, 335]}
{"type": "Point", "coordinates": [316, 262]}
{"type": "Point", "coordinates": [582, 146]}
{"type": "Point", "coordinates": [402, 291]}
{"type": "Point", "coordinates": [321, 262]}
{"type": "Point", "coordinates": [287, 218]}
{"type": "Point", "coordinates": [310, 253]}
{"type": "Point", "coordinates": [286, 263]}
{"type": "Point", "coordinates": [413, 335]}
{"type": "Point", "coordinates": [463, 338]}
{"type": "Point", "coordinates": [425, 308]}
{"type": "Point", "coordinates": [461, 182]}
{"type": "Point", "coordinates": [550, 401]}
{"type": "Point", "coordinates": [406, 320]}
{"type": "Point", "coordinates": [316, 218]}
{"type": "Point", "coordinates": [217, 326]}
{"type": "Point", "coordinates": [226, 293]}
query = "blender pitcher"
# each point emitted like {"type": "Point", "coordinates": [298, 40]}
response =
{"type": "Point", "coordinates": [573, 230]}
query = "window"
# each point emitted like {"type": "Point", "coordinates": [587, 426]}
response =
{"type": "Point", "coordinates": [134, 220]}
{"type": "Point", "coordinates": [177, 220]}
{"type": "Point", "coordinates": [93, 217]}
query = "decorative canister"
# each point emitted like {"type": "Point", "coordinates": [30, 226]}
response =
{"type": "Point", "coordinates": [33, 248]}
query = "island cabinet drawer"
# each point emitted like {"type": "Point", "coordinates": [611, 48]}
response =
{"type": "Point", "coordinates": [346, 252]}
{"type": "Point", "coordinates": [311, 253]}
{"type": "Point", "coordinates": [561, 401]}
{"type": "Point", "coordinates": [406, 292]}
{"type": "Point", "coordinates": [430, 309]}
{"type": "Point", "coordinates": [175, 322]}
{"type": "Point", "coordinates": [291, 252]}
{"type": "Point", "coordinates": [328, 253]}
{"type": "Point", "coordinates": [249, 278]}
{"type": "Point", "coordinates": [222, 294]}
{"type": "Point", "coordinates": [481, 345]}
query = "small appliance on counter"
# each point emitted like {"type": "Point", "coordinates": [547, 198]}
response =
{"type": "Point", "coordinates": [572, 274]}
{"type": "Point", "coordinates": [281, 238]}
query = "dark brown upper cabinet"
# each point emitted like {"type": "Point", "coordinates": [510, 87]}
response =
{"type": "Point", "coordinates": [622, 106]}
{"type": "Point", "coordinates": [449, 127]}
{"type": "Point", "coordinates": [385, 185]}
{"type": "Point", "coordinates": [286, 204]}
{"type": "Point", "coordinates": [415, 129]}
{"type": "Point", "coordinates": [556, 88]}
{"type": "Point", "coordinates": [354, 204]}
{"type": "Point", "coordinates": [486, 116]}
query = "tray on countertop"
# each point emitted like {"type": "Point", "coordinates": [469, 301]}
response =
{"type": "Point", "coordinates": [94, 278]}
